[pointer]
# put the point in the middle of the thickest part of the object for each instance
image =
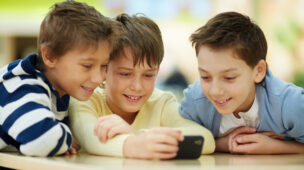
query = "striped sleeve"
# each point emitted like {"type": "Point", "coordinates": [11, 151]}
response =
{"type": "Point", "coordinates": [26, 118]}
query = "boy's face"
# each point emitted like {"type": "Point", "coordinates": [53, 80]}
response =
{"type": "Point", "coordinates": [128, 87]}
{"type": "Point", "coordinates": [79, 72]}
{"type": "Point", "coordinates": [226, 80]}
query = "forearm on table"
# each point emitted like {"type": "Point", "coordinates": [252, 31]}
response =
{"type": "Point", "coordinates": [288, 147]}
{"type": "Point", "coordinates": [83, 129]}
{"type": "Point", "coordinates": [221, 145]}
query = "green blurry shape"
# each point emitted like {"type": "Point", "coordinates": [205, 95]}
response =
{"type": "Point", "coordinates": [299, 78]}
{"type": "Point", "coordinates": [34, 8]}
{"type": "Point", "coordinates": [287, 34]}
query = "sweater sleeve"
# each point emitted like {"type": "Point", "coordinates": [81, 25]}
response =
{"type": "Point", "coordinates": [172, 118]}
{"type": "Point", "coordinates": [28, 123]}
{"type": "Point", "coordinates": [83, 118]}
{"type": "Point", "coordinates": [293, 113]}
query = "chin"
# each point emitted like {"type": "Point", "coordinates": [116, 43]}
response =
{"type": "Point", "coordinates": [225, 112]}
{"type": "Point", "coordinates": [82, 98]}
{"type": "Point", "coordinates": [132, 109]}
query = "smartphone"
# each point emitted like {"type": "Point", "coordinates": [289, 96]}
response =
{"type": "Point", "coordinates": [190, 148]}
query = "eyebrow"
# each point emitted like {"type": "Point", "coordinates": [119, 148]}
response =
{"type": "Point", "coordinates": [88, 59]}
{"type": "Point", "coordinates": [125, 68]}
{"type": "Point", "coordinates": [223, 71]}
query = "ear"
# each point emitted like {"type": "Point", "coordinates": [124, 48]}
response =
{"type": "Point", "coordinates": [47, 58]}
{"type": "Point", "coordinates": [260, 71]}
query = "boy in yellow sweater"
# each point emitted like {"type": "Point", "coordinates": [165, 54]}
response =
{"type": "Point", "coordinates": [129, 117]}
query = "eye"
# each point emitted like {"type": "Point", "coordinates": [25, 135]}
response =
{"type": "Point", "coordinates": [230, 78]}
{"type": "Point", "coordinates": [205, 77]}
{"type": "Point", "coordinates": [104, 66]}
{"type": "Point", "coordinates": [149, 75]}
{"type": "Point", "coordinates": [87, 66]}
{"type": "Point", "coordinates": [124, 74]}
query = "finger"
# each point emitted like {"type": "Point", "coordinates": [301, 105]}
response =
{"type": "Point", "coordinates": [165, 138]}
{"type": "Point", "coordinates": [103, 133]}
{"type": "Point", "coordinates": [277, 137]}
{"type": "Point", "coordinates": [116, 131]}
{"type": "Point", "coordinates": [67, 153]}
{"type": "Point", "coordinates": [73, 151]}
{"type": "Point", "coordinates": [249, 138]}
{"type": "Point", "coordinates": [165, 148]}
{"type": "Point", "coordinates": [272, 135]}
{"type": "Point", "coordinates": [244, 129]}
{"type": "Point", "coordinates": [76, 146]}
{"type": "Point", "coordinates": [96, 128]}
{"type": "Point", "coordinates": [175, 133]}
{"type": "Point", "coordinates": [100, 121]}
{"type": "Point", "coordinates": [232, 145]}
{"type": "Point", "coordinates": [245, 148]}
{"type": "Point", "coordinates": [269, 133]}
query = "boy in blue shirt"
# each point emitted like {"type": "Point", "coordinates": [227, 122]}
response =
{"type": "Point", "coordinates": [74, 45]}
{"type": "Point", "coordinates": [246, 107]}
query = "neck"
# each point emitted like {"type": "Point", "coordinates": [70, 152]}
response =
{"type": "Point", "coordinates": [247, 104]}
{"type": "Point", "coordinates": [51, 77]}
{"type": "Point", "coordinates": [129, 117]}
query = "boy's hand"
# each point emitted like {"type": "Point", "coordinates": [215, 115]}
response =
{"type": "Point", "coordinates": [272, 135]}
{"type": "Point", "coordinates": [74, 148]}
{"type": "Point", "coordinates": [156, 143]}
{"type": "Point", "coordinates": [257, 143]}
{"type": "Point", "coordinates": [111, 125]}
{"type": "Point", "coordinates": [227, 143]}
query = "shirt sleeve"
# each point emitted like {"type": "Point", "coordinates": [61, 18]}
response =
{"type": "Point", "coordinates": [28, 122]}
{"type": "Point", "coordinates": [171, 118]}
{"type": "Point", "coordinates": [83, 118]}
{"type": "Point", "coordinates": [293, 114]}
{"type": "Point", "coordinates": [187, 105]}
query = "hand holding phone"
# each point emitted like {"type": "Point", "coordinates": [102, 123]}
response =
{"type": "Point", "coordinates": [190, 148]}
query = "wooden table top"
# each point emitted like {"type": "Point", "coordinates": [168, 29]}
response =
{"type": "Point", "coordinates": [214, 161]}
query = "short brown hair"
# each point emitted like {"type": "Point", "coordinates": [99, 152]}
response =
{"type": "Point", "coordinates": [232, 30]}
{"type": "Point", "coordinates": [144, 38]}
{"type": "Point", "coordinates": [71, 25]}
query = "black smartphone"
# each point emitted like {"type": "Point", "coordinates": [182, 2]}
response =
{"type": "Point", "coordinates": [190, 148]}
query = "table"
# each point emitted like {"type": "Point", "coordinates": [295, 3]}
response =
{"type": "Point", "coordinates": [214, 161]}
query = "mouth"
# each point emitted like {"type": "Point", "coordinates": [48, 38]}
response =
{"type": "Point", "coordinates": [88, 90]}
{"type": "Point", "coordinates": [132, 98]}
{"type": "Point", "coordinates": [222, 103]}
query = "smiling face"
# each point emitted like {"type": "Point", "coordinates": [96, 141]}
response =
{"type": "Point", "coordinates": [78, 72]}
{"type": "Point", "coordinates": [227, 81]}
{"type": "Point", "coordinates": [128, 86]}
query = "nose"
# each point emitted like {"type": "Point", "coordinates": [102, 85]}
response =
{"type": "Point", "coordinates": [136, 84]}
{"type": "Point", "coordinates": [97, 76]}
{"type": "Point", "coordinates": [216, 88]}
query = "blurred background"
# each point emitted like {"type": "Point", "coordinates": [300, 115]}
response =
{"type": "Point", "coordinates": [281, 20]}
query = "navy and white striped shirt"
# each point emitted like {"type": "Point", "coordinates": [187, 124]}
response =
{"type": "Point", "coordinates": [31, 111]}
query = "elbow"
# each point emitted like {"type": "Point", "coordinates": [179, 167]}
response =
{"type": "Point", "coordinates": [55, 142]}
{"type": "Point", "coordinates": [209, 143]}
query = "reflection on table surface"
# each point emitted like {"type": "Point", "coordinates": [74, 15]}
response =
{"type": "Point", "coordinates": [214, 161]}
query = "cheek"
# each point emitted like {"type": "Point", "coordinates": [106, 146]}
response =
{"type": "Point", "coordinates": [149, 85]}
{"type": "Point", "coordinates": [204, 87]}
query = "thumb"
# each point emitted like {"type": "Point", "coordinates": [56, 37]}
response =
{"type": "Point", "coordinates": [245, 138]}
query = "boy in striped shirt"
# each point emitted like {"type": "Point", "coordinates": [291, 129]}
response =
{"type": "Point", "coordinates": [74, 45]}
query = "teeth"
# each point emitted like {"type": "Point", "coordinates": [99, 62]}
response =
{"type": "Point", "coordinates": [133, 98]}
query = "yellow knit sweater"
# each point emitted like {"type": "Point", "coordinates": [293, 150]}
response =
{"type": "Point", "coordinates": [160, 110]}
